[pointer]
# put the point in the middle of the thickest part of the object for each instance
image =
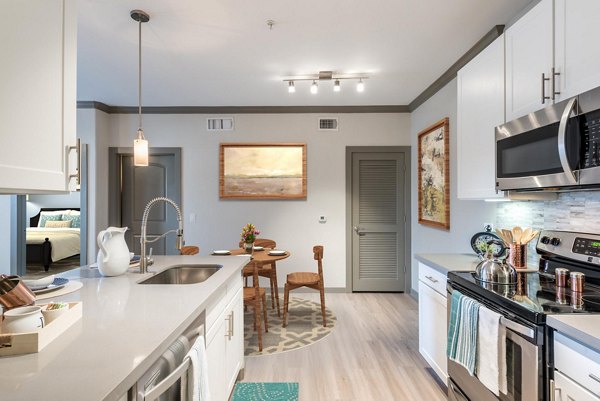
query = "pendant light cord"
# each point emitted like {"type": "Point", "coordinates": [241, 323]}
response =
{"type": "Point", "coordinates": [140, 74]}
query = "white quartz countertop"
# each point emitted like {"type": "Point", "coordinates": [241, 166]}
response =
{"type": "Point", "coordinates": [581, 327]}
{"type": "Point", "coordinates": [124, 328]}
{"type": "Point", "coordinates": [447, 262]}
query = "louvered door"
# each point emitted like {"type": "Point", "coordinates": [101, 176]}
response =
{"type": "Point", "coordinates": [378, 222]}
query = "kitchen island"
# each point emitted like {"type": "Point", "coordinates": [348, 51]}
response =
{"type": "Point", "coordinates": [125, 327]}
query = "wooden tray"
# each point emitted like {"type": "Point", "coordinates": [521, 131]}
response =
{"type": "Point", "coordinates": [28, 343]}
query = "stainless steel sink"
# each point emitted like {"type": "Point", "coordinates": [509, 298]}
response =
{"type": "Point", "coordinates": [183, 274]}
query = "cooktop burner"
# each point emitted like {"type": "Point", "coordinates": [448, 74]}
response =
{"type": "Point", "coordinates": [532, 297]}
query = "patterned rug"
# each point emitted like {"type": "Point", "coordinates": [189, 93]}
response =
{"type": "Point", "coordinates": [265, 392]}
{"type": "Point", "coordinates": [305, 327]}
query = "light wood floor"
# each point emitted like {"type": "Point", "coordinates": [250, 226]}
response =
{"type": "Point", "coordinates": [373, 354]}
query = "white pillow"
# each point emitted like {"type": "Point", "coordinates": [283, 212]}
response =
{"type": "Point", "coordinates": [58, 224]}
{"type": "Point", "coordinates": [71, 212]}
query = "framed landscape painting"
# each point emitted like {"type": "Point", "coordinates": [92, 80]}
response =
{"type": "Point", "coordinates": [262, 171]}
{"type": "Point", "coordinates": [434, 175]}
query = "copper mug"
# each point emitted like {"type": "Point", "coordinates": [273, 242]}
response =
{"type": "Point", "coordinates": [13, 293]}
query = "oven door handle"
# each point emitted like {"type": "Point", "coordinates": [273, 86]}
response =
{"type": "Point", "coordinates": [518, 328]}
{"type": "Point", "coordinates": [562, 144]}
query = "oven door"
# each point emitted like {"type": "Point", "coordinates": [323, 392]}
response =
{"type": "Point", "coordinates": [540, 150]}
{"type": "Point", "coordinates": [523, 364]}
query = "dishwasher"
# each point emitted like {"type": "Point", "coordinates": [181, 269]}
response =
{"type": "Point", "coordinates": [166, 378]}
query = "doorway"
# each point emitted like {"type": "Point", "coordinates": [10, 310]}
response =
{"type": "Point", "coordinates": [378, 219]}
{"type": "Point", "coordinates": [131, 188]}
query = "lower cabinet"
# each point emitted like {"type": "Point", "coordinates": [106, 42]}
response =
{"type": "Point", "coordinates": [433, 320]}
{"type": "Point", "coordinates": [577, 370]}
{"type": "Point", "coordinates": [225, 344]}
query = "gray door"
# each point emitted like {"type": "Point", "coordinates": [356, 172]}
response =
{"type": "Point", "coordinates": [139, 185]}
{"type": "Point", "coordinates": [378, 260]}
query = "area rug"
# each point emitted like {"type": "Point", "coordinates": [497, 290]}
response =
{"type": "Point", "coordinates": [305, 327]}
{"type": "Point", "coordinates": [265, 392]}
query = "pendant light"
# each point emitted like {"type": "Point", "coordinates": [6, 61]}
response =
{"type": "Point", "coordinates": [140, 144]}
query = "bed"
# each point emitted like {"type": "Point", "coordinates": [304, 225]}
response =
{"type": "Point", "coordinates": [50, 238]}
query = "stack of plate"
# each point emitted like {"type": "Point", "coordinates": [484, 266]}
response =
{"type": "Point", "coordinates": [46, 284]}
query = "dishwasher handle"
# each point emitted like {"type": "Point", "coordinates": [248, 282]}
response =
{"type": "Point", "coordinates": [164, 385]}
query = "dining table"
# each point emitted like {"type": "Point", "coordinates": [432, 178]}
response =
{"type": "Point", "coordinates": [260, 258]}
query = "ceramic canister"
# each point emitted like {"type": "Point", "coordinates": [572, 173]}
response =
{"type": "Point", "coordinates": [23, 320]}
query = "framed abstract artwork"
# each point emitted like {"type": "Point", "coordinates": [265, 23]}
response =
{"type": "Point", "coordinates": [433, 184]}
{"type": "Point", "coordinates": [262, 171]}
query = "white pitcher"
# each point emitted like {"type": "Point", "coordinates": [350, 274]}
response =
{"type": "Point", "coordinates": [113, 256]}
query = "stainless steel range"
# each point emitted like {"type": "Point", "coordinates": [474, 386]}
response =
{"type": "Point", "coordinates": [524, 307]}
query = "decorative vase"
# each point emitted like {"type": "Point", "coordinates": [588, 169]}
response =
{"type": "Point", "coordinates": [249, 247]}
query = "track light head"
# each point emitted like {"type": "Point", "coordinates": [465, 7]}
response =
{"type": "Point", "coordinates": [314, 88]}
{"type": "Point", "coordinates": [336, 86]}
{"type": "Point", "coordinates": [360, 86]}
{"type": "Point", "coordinates": [291, 87]}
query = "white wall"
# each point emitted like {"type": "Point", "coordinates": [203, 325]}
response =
{"type": "Point", "coordinates": [293, 224]}
{"type": "Point", "coordinates": [5, 233]}
{"type": "Point", "coordinates": [466, 217]}
{"type": "Point", "coordinates": [35, 202]}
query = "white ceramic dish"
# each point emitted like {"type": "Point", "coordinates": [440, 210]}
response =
{"type": "Point", "coordinates": [222, 252]}
{"type": "Point", "coordinates": [57, 284]}
{"type": "Point", "coordinates": [276, 253]}
{"type": "Point", "coordinates": [258, 248]}
{"type": "Point", "coordinates": [39, 284]}
{"type": "Point", "coordinates": [53, 314]}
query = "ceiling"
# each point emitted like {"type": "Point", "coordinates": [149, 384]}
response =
{"type": "Point", "coordinates": [222, 52]}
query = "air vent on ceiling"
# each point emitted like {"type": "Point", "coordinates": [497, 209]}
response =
{"type": "Point", "coordinates": [328, 124]}
{"type": "Point", "coordinates": [219, 124]}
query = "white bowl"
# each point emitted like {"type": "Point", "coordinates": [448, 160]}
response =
{"type": "Point", "coordinates": [39, 283]}
{"type": "Point", "coordinates": [53, 314]}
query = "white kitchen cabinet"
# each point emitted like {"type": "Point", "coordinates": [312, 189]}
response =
{"type": "Point", "coordinates": [433, 320]}
{"type": "Point", "coordinates": [566, 389]}
{"type": "Point", "coordinates": [578, 362]}
{"type": "Point", "coordinates": [556, 38]}
{"type": "Point", "coordinates": [38, 97]}
{"type": "Point", "coordinates": [225, 341]}
{"type": "Point", "coordinates": [480, 108]}
{"type": "Point", "coordinates": [577, 54]}
{"type": "Point", "coordinates": [529, 54]}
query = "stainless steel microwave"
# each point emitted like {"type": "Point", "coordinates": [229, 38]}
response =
{"type": "Point", "coordinates": [556, 148]}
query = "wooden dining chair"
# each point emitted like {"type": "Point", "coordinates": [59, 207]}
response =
{"type": "Point", "coordinates": [189, 250]}
{"type": "Point", "coordinates": [269, 271]}
{"type": "Point", "coordinates": [306, 279]}
{"type": "Point", "coordinates": [255, 296]}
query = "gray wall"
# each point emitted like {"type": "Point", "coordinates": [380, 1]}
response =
{"type": "Point", "coordinates": [466, 217]}
{"type": "Point", "coordinates": [293, 224]}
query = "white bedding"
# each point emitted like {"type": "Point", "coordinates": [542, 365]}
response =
{"type": "Point", "coordinates": [65, 241]}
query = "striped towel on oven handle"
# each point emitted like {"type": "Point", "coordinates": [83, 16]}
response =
{"type": "Point", "coordinates": [462, 331]}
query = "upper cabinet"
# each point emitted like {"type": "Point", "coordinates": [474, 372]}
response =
{"type": "Point", "coordinates": [577, 53]}
{"type": "Point", "coordinates": [480, 108]}
{"type": "Point", "coordinates": [38, 96]}
{"type": "Point", "coordinates": [529, 61]}
{"type": "Point", "coordinates": [551, 55]}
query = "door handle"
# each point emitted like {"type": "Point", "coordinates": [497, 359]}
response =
{"type": "Point", "coordinates": [562, 137]}
{"type": "Point", "coordinates": [544, 97]}
{"type": "Point", "coordinates": [554, 75]}
{"type": "Point", "coordinates": [357, 230]}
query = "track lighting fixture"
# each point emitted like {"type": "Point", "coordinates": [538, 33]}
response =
{"type": "Point", "coordinates": [326, 76]}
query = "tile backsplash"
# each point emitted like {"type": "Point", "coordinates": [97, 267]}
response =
{"type": "Point", "coordinates": [572, 211]}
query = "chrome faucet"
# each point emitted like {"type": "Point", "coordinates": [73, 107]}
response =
{"type": "Point", "coordinates": [144, 261]}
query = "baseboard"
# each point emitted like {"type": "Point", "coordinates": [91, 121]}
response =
{"type": "Point", "coordinates": [414, 294]}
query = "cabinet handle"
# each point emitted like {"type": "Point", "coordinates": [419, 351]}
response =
{"type": "Point", "coordinates": [553, 390]}
{"type": "Point", "coordinates": [594, 377]}
{"type": "Point", "coordinates": [77, 149]}
{"type": "Point", "coordinates": [231, 322]}
{"type": "Point", "coordinates": [554, 75]}
{"type": "Point", "coordinates": [544, 97]}
{"type": "Point", "coordinates": [430, 278]}
{"type": "Point", "coordinates": [229, 332]}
